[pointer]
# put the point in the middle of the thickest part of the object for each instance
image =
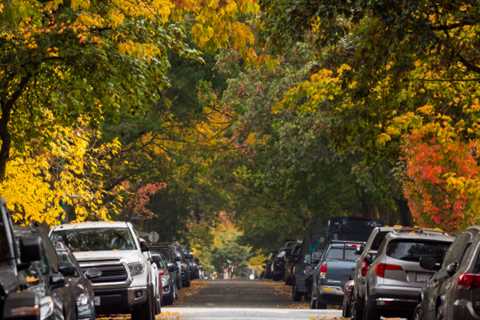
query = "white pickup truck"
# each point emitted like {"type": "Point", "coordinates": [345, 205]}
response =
{"type": "Point", "coordinates": [129, 280]}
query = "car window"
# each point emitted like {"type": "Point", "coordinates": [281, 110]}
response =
{"type": "Point", "coordinates": [456, 250]}
{"type": "Point", "coordinates": [413, 250]}
{"type": "Point", "coordinates": [96, 239]}
{"type": "Point", "coordinates": [338, 253]}
{"type": "Point", "coordinates": [377, 241]}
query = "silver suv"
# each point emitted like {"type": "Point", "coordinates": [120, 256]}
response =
{"type": "Point", "coordinates": [395, 279]}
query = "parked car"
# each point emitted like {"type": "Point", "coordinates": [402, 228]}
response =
{"type": "Point", "coordinates": [127, 281]}
{"type": "Point", "coordinates": [333, 271]}
{"type": "Point", "coordinates": [278, 268]}
{"type": "Point", "coordinates": [395, 279]}
{"type": "Point", "coordinates": [169, 253]}
{"type": "Point", "coordinates": [45, 276]}
{"type": "Point", "coordinates": [16, 301]}
{"type": "Point", "coordinates": [268, 268]}
{"type": "Point", "coordinates": [78, 281]}
{"type": "Point", "coordinates": [367, 254]}
{"type": "Point", "coordinates": [168, 285]}
{"type": "Point", "coordinates": [454, 291]}
{"type": "Point", "coordinates": [303, 273]}
{"type": "Point", "coordinates": [293, 254]}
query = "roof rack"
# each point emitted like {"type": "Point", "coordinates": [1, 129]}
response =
{"type": "Point", "coordinates": [417, 229]}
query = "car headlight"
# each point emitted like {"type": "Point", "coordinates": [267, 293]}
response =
{"type": "Point", "coordinates": [46, 307]}
{"type": "Point", "coordinates": [83, 300]}
{"type": "Point", "coordinates": [136, 268]}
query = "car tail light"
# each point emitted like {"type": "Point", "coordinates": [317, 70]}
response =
{"type": "Point", "coordinates": [323, 270]}
{"type": "Point", "coordinates": [382, 267]}
{"type": "Point", "coordinates": [364, 268]}
{"type": "Point", "coordinates": [469, 280]}
{"type": "Point", "coordinates": [161, 272]}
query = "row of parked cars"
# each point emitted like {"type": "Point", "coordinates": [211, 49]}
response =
{"type": "Point", "coordinates": [77, 271]}
{"type": "Point", "coordinates": [406, 272]}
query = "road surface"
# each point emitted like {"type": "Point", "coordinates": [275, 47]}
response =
{"type": "Point", "coordinates": [242, 300]}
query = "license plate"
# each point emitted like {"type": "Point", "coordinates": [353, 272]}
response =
{"type": "Point", "coordinates": [423, 277]}
{"type": "Point", "coordinates": [96, 301]}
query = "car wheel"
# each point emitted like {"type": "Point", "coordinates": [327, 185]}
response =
{"type": "Point", "coordinates": [346, 307]}
{"type": "Point", "coordinates": [146, 310]}
{"type": "Point", "coordinates": [370, 311]}
{"type": "Point", "coordinates": [296, 296]}
{"type": "Point", "coordinates": [418, 314]}
{"type": "Point", "coordinates": [357, 309]}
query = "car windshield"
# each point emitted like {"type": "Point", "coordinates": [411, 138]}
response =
{"type": "Point", "coordinates": [97, 239]}
{"type": "Point", "coordinates": [337, 253]}
{"type": "Point", "coordinates": [413, 250]}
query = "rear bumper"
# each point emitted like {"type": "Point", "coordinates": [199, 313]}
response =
{"type": "Point", "coordinates": [464, 309]}
{"type": "Point", "coordinates": [396, 301]}
{"type": "Point", "coordinates": [331, 295]}
{"type": "Point", "coordinates": [114, 301]}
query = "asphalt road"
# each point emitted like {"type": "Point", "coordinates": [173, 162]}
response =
{"type": "Point", "coordinates": [244, 300]}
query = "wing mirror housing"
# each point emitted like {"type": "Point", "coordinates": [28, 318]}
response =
{"type": "Point", "coordinates": [30, 249]}
{"type": "Point", "coordinates": [452, 268]}
{"type": "Point", "coordinates": [57, 280]}
{"type": "Point", "coordinates": [93, 273]}
{"type": "Point", "coordinates": [143, 246]}
{"type": "Point", "coordinates": [67, 269]}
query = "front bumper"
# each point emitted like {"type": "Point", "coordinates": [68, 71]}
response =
{"type": "Point", "coordinates": [112, 301]}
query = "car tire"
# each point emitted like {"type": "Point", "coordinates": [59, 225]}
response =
{"type": "Point", "coordinates": [370, 311]}
{"type": "Point", "coordinates": [146, 310]}
{"type": "Point", "coordinates": [296, 296]}
{"type": "Point", "coordinates": [418, 313]}
{"type": "Point", "coordinates": [357, 309]}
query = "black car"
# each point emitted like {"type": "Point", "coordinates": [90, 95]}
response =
{"type": "Point", "coordinates": [45, 278]}
{"type": "Point", "coordinates": [17, 303]}
{"type": "Point", "coordinates": [454, 290]}
{"type": "Point", "coordinates": [78, 282]}
{"type": "Point", "coordinates": [303, 275]}
{"type": "Point", "coordinates": [293, 254]}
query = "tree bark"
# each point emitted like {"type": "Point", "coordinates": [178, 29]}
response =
{"type": "Point", "coordinates": [7, 104]}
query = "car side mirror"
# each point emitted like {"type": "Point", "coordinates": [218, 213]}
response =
{"type": "Point", "coordinates": [157, 260]}
{"type": "Point", "coordinates": [30, 249]}
{"type": "Point", "coordinates": [143, 246]}
{"type": "Point", "coordinates": [57, 280]}
{"type": "Point", "coordinates": [452, 268]}
{"type": "Point", "coordinates": [171, 267]}
{"type": "Point", "coordinates": [430, 263]}
{"type": "Point", "coordinates": [93, 273]}
{"type": "Point", "coordinates": [67, 269]}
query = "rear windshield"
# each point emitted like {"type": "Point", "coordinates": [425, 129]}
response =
{"type": "Point", "coordinates": [413, 250]}
{"type": "Point", "coordinates": [336, 253]}
{"type": "Point", "coordinates": [378, 240]}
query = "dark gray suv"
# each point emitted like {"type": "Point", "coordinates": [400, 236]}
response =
{"type": "Point", "coordinates": [395, 279]}
{"type": "Point", "coordinates": [454, 291]}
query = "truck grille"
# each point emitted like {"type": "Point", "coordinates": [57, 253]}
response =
{"type": "Point", "coordinates": [110, 273]}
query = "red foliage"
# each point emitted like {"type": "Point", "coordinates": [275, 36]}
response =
{"type": "Point", "coordinates": [139, 203]}
{"type": "Point", "coordinates": [430, 199]}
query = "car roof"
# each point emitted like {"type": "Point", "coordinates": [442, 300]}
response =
{"type": "Point", "coordinates": [92, 225]}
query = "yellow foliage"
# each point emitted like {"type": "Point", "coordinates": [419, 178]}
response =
{"type": "Point", "coordinates": [66, 173]}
